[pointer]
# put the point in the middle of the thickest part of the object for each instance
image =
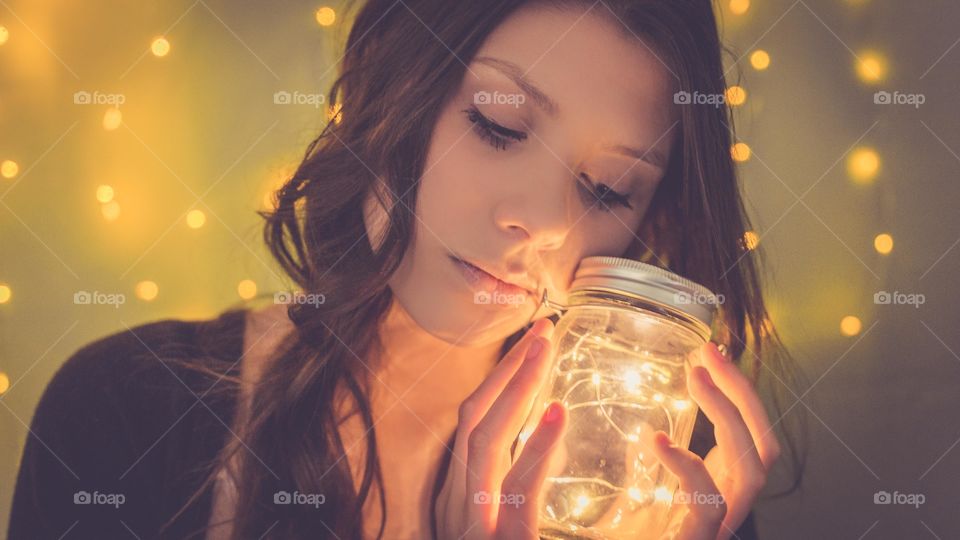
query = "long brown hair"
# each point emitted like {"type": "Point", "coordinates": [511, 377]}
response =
{"type": "Point", "coordinates": [403, 61]}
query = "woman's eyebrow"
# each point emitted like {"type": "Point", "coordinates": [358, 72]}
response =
{"type": "Point", "coordinates": [515, 74]}
{"type": "Point", "coordinates": [652, 155]}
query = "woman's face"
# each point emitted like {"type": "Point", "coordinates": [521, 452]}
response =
{"type": "Point", "coordinates": [550, 152]}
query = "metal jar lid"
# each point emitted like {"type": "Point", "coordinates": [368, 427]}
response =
{"type": "Point", "coordinates": [634, 278]}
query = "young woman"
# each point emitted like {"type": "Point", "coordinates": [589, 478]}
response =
{"type": "Point", "coordinates": [479, 146]}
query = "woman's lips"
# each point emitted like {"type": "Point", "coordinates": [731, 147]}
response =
{"type": "Point", "coordinates": [482, 281]}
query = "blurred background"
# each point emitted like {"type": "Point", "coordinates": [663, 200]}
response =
{"type": "Point", "coordinates": [139, 139]}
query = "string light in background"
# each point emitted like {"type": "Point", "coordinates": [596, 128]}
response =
{"type": "Point", "coordinates": [326, 16]}
{"type": "Point", "coordinates": [5, 293]}
{"type": "Point", "coordinates": [850, 325]}
{"type": "Point", "coordinates": [4, 383]}
{"type": "Point", "coordinates": [736, 96]}
{"type": "Point", "coordinates": [4, 34]}
{"type": "Point", "coordinates": [247, 289]}
{"type": "Point", "coordinates": [9, 168]}
{"type": "Point", "coordinates": [883, 243]}
{"type": "Point", "coordinates": [871, 66]}
{"type": "Point", "coordinates": [740, 151]}
{"type": "Point", "coordinates": [104, 193]}
{"type": "Point", "coordinates": [739, 7]}
{"type": "Point", "coordinates": [146, 290]}
{"type": "Point", "coordinates": [160, 47]}
{"type": "Point", "coordinates": [112, 119]}
{"type": "Point", "coordinates": [863, 164]}
{"type": "Point", "coordinates": [196, 219]}
{"type": "Point", "coordinates": [750, 240]}
{"type": "Point", "coordinates": [760, 60]}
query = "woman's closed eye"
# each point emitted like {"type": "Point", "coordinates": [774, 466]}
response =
{"type": "Point", "coordinates": [501, 138]}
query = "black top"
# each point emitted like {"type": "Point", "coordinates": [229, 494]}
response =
{"type": "Point", "coordinates": [120, 439]}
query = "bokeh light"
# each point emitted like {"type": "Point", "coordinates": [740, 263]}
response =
{"type": "Point", "coordinates": [4, 34]}
{"type": "Point", "coordinates": [196, 219]}
{"type": "Point", "coordinates": [740, 152]}
{"type": "Point", "coordinates": [146, 290]}
{"type": "Point", "coordinates": [104, 193]}
{"type": "Point", "coordinates": [5, 293]}
{"type": "Point", "coordinates": [9, 168]}
{"type": "Point", "coordinates": [4, 383]}
{"type": "Point", "coordinates": [160, 47]}
{"type": "Point", "coordinates": [110, 211]}
{"type": "Point", "coordinates": [863, 164]}
{"type": "Point", "coordinates": [739, 7]}
{"type": "Point", "coordinates": [326, 16]}
{"type": "Point", "coordinates": [760, 60]}
{"type": "Point", "coordinates": [750, 240]}
{"type": "Point", "coordinates": [112, 119]}
{"type": "Point", "coordinates": [736, 95]}
{"type": "Point", "coordinates": [850, 325]}
{"type": "Point", "coordinates": [871, 66]}
{"type": "Point", "coordinates": [247, 289]}
{"type": "Point", "coordinates": [883, 243]}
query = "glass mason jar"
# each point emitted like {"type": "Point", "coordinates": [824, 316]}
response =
{"type": "Point", "coordinates": [622, 351]}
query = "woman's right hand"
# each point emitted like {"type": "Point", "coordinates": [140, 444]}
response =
{"type": "Point", "coordinates": [484, 495]}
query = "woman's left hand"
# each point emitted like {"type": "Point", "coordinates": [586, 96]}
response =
{"type": "Point", "coordinates": [717, 493]}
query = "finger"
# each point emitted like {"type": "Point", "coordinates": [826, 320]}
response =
{"type": "Point", "coordinates": [742, 463]}
{"type": "Point", "coordinates": [740, 390]}
{"type": "Point", "coordinates": [476, 405]}
{"type": "Point", "coordinates": [697, 492]}
{"type": "Point", "coordinates": [488, 445]}
{"type": "Point", "coordinates": [521, 489]}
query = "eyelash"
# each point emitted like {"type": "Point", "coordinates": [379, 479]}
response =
{"type": "Point", "coordinates": [500, 138]}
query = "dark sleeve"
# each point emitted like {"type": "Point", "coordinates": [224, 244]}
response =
{"type": "Point", "coordinates": [73, 480]}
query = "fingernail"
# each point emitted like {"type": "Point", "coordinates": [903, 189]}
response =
{"type": "Point", "coordinates": [535, 347]}
{"type": "Point", "coordinates": [552, 413]}
{"type": "Point", "coordinates": [720, 351]}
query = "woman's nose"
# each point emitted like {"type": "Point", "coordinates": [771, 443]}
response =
{"type": "Point", "coordinates": [539, 214]}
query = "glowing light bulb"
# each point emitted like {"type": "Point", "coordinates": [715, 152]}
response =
{"type": "Point", "coordinates": [160, 47]}
{"type": "Point", "coordinates": [631, 381]}
{"type": "Point", "coordinates": [104, 193]}
{"type": "Point", "coordinates": [740, 152]}
{"type": "Point", "coordinates": [883, 243]}
{"type": "Point", "coordinates": [760, 60]}
{"type": "Point", "coordinates": [850, 325]}
{"type": "Point", "coordinates": [739, 7]}
{"type": "Point", "coordinates": [9, 168]}
{"type": "Point", "coordinates": [326, 16]}
{"type": "Point", "coordinates": [112, 119]}
{"type": "Point", "coordinates": [247, 289]}
{"type": "Point", "coordinates": [863, 164]}
{"type": "Point", "coordinates": [196, 219]}
{"type": "Point", "coordinates": [871, 67]}
{"type": "Point", "coordinates": [147, 290]}
{"type": "Point", "coordinates": [736, 96]}
{"type": "Point", "coordinates": [582, 502]}
{"type": "Point", "coordinates": [635, 493]}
